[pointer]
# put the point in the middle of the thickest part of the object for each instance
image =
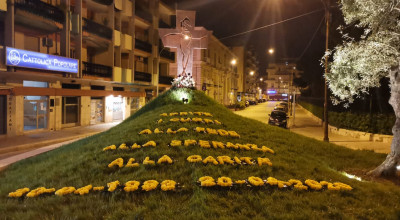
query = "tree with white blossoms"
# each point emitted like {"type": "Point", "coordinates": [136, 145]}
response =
{"type": "Point", "coordinates": [360, 64]}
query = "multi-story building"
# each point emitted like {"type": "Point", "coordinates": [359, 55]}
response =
{"type": "Point", "coordinates": [81, 62]}
{"type": "Point", "coordinates": [279, 84]}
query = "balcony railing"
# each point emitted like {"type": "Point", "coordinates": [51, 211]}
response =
{"type": "Point", "coordinates": [41, 9]}
{"type": "Point", "coordinates": [141, 45]}
{"type": "Point", "coordinates": [166, 80]}
{"type": "Point", "coordinates": [104, 2]}
{"type": "Point", "coordinates": [92, 69]}
{"type": "Point", "coordinates": [144, 15]}
{"type": "Point", "coordinates": [141, 76]}
{"type": "Point", "coordinates": [168, 54]}
{"type": "Point", "coordinates": [97, 29]}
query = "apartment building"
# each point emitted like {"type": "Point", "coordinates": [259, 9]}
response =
{"type": "Point", "coordinates": [70, 63]}
{"type": "Point", "coordinates": [279, 83]}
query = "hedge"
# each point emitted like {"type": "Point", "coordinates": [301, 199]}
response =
{"type": "Point", "coordinates": [375, 123]}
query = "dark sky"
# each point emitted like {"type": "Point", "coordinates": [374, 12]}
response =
{"type": "Point", "coordinates": [229, 17]}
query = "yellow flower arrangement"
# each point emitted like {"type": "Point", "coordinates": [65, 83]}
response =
{"type": "Point", "coordinates": [183, 113]}
{"type": "Point", "coordinates": [111, 147]}
{"type": "Point", "coordinates": [164, 114]}
{"type": "Point", "coordinates": [207, 114]}
{"type": "Point", "coordinates": [247, 160]}
{"type": "Point", "coordinates": [146, 131]}
{"type": "Point", "coordinates": [207, 181]}
{"type": "Point", "coordinates": [217, 144]}
{"type": "Point", "coordinates": [149, 185]}
{"type": "Point", "coordinates": [65, 191]}
{"type": "Point", "coordinates": [240, 182]}
{"type": "Point", "coordinates": [190, 113]}
{"type": "Point", "coordinates": [237, 160]}
{"type": "Point", "coordinates": [160, 121]}
{"type": "Point", "coordinates": [217, 122]}
{"type": "Point", "coordinates": [204, 144]}
{"type": "Point", "coordinates": [112, 186]}
{"type": "Point", "coordinates": [131, 164]}
{"type": "Point", "coordinates": [18, 193]}
{"type": "Point", "coordinates": [230, 145]}
{"type": "Point", "coordinates": [263, 161]}
{"type": "Point", "coordinates": [170, 131]}
{"type": "Point", "coordinates": [266, 149]}
{"type": "Point", "coordinates": [150, 144]}
{"type": "Point", "coordinates": [194, 159]}
{"type": "Point", "coordinates": [174, 119]}
{"type": "Point", "coordinates": [210, 159]}
{"type": "Point", "coordinates": [313, 184]}
{"type": "Point", "coordinates": [182, 130]}
{"type": "Point", "coordinates": [39, 191]}
{"type": "Point", "coordinates": [158, 131]}
{"type": "Point", "coordinates": [197, 120]}
{"type": "Point", "coordinates": [131, 186]}
{"type": "Point", "coordinates": [224, 181]}
{"type": "Point", "coordinates": [281, 184]}
{"type": "Point", "coordinates": [185, 120]}
{"type": "Point", "coordinates": [164, 159]}
{"type": "Point", "coordinates": [222, 132]}
{"type": "Point", "coordinates": [123, 147]}
{"type": "Point", "coordinates": [243, 146]}
{"type": "Point", "coordinates": [168, 185]}
{"type": "Point", "coordinates": [147, 161]}
{"type": "Point", "coordinates": [83, 190]}
{"type": "Point", "coordinates": [233, 134]}
{"type": "Point", "coordinates": [190, 142]}
{"type": "Point", "coordinates": [117, 162]}
{"type": "Point", "coordinates": [255, 181]}
{"type": "Point", "coordinates": [208, 121]}
{"type": "Point", "coordinates": [342, 186]}
{"type": "Point", "coordinates": [98, 188]}
{"type": "Point", "coordinates": [200, 129]}
{"type": "Point", "coordinates": [298, 184]}
{"type": "Point", "coordinates": [173, 114]}
{"type": "Point", "coordinates": [211, 131]}
{"type": "Point", "coordinates": [135, 146]}
{"type": "Point", "coordinates": [175, 143]}
{"type": "Point", "coordinates": [225, 159]}
{"type": "Point", "coordinates": [198, 113]}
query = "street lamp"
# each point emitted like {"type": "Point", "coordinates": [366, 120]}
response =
{"type": "Point", "coordinates": [251, 73]}
{"type": "Point", "coordinates": [271, 51]}
{"type": "Point", "coordinates": [233, 62]}
{"type": "Point", "coordinates": [261, 79]}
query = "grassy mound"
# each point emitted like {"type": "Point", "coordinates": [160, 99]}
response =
{"type": "Point", "coordinates": [296, 157]}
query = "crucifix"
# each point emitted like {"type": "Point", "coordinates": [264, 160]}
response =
{"type": "Point", "coordinates": [185, 38]}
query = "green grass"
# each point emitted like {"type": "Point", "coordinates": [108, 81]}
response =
{"type": "Point", "coordinates": [84, 162]}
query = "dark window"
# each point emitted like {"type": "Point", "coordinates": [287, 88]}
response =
{"type": "Point", "coordinates": [71, 86]}
{"type": "Point", "coordinates": [118, 89]}
{"type": "Point", "coordinates": [97, 87]}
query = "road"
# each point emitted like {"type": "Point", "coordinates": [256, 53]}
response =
{"type": "Point", "coordinates": [307, 126]}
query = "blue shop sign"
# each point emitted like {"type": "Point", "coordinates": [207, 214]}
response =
{"type": "Point", "coordinates": [30, 59]}
{"type": "Point", "coordinates": [271, 92]}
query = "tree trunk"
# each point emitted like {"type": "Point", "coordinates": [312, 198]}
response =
{"type": "Point", "coordinates": [389, 167]}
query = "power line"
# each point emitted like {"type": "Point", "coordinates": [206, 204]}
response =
{"type": "Point", "coordinates": [312, 38]}
{"type": "Point", "coordinates": [269, 25]}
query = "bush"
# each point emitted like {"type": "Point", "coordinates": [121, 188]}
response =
{"type": "Point", "coordinates": [376, 123]}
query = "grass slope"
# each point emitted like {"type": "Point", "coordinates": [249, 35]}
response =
{"type": "Point", "coordinates": [84, 162]}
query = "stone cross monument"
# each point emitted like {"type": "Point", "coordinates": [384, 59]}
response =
{"type": "Point", "coordinates": [185, 38]}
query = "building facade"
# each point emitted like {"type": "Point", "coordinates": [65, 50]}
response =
{"type": "Point", "coordinates": [279, 83]}
{"type": "Point", "coordinates": [214, 72]}
{"type": "Point", "coordinates": [70, 63]}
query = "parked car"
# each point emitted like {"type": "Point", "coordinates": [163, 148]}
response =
{"type": "Point", "coordinates": [278, 118]}
{"type": "Point", "coordinates": [281, 108]}
{"type": "Point", "coordinates": [253, 102]}
{"type": "Point", "coordinates": [283, 103]}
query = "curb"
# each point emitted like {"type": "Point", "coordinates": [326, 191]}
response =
{"type": "Point", "coordinates": [43, 143]}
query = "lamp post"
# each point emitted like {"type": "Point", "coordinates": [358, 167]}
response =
{"type": "Point", "coordinates": [327, 18]}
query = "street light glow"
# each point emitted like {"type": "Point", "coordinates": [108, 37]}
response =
{"type": "Point", "coordinates": [186, 37]}
{"type": "Point", "coordinates": [261, 79]}
{"type": "Point", "coordinates": [251, 73]}
{"type": "Point", "coordinates": [271, 51]}
{"type": "Point", "coordinates": [233, 62]}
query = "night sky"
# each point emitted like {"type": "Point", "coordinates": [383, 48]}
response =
{"type": "Point", "coordinates": [290, 39]}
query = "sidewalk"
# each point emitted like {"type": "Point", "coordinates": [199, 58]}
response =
{"type": "Point", "coordinates": [10, 146]}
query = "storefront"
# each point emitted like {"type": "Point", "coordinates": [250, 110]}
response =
{"type": "Point", "coordinates": [35, 112]}
{"type": "Point", "coordinates": [96, 110]}
{"type": "Point", "coordinates": [70, 111]}
{"type": "Point", "coordinates": [118, 108]}
{"type": "Point", "coordinates": [3, 114]}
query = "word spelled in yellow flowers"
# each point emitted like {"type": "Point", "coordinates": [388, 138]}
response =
{"type": "Point", "coordinates": [119, 162]}
{"type": "Point", "coordinates": [221, 160]}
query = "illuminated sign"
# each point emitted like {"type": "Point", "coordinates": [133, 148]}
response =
{"type": "Point", "coordinates": [284, 95]}
{"type": "Point", "coordinates": [271, 92]}
{"type": "Point", "coordinates": [35, 60]}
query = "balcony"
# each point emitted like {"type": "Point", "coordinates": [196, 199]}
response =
{"type": "Point", "coordinates": [97, 70]}
{"type": "Point", "coordinates": [166, 80]}
{"type": "Point", "coordinates": [144, 46]}
{"type": "Point", "coordinates": [144, 15]}
{"type": "Point", "coordinates": [41, 9]}
{"type": "Point", "coordinates": [97, 29]}
{"type": "Point", "coordinates": [141, 76]}
{"type": "Point", "coordinates": [168, 55]}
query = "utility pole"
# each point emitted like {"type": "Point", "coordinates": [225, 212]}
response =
{"type": "Point", "coordinates": [327, 18]}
